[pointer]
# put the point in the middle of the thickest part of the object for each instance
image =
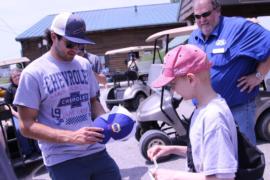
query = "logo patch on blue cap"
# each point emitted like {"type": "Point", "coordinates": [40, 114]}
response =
{"type": "Point", "coordinates": [116, 128]}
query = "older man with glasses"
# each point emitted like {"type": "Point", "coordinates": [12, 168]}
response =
{"type": "Point", "coordinates": [56, 99]}
{"type": "Point", "coordinates": [240, 53]}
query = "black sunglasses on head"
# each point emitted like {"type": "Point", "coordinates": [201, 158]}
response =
{"type": "Point", "coordinates": [206, 14]}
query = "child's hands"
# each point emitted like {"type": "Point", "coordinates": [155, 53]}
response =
{"type": "Point", "coordinates": [162, 174]}
{"type": "Point", "coordinates": [158, 151]}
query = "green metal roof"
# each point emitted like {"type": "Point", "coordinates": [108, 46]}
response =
{"type": "Point", "coordinates": [115, 18]}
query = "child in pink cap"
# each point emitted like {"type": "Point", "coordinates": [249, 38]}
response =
{"type": "Point", "coordinates": [212, 132]}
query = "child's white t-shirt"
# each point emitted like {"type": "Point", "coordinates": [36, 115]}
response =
{"type": "Point", "coordinates": [213, 138]}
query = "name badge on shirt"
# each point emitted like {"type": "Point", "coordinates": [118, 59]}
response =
{"type": "Point", "coordinates": [218, 50]}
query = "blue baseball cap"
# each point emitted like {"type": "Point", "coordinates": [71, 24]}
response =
{"type": "Point", "coordinates": [71, 26]}
{"type": "Point", "coordinates": [118, 124]}
{"type": "Point", "coordinates": [103, 123]}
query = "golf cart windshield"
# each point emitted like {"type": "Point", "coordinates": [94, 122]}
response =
{"type": "Point", "coordinates": [141, 55]}
{"type": "Point", "coordinates": [6, 65]}
{"type": "Point", "coordinates": [172, 37]}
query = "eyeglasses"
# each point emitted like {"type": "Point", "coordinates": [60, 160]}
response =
{"type": "Point", "coordinates": [206, 14]}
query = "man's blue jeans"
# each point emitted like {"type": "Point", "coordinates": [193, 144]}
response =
{"type": "Point", "coordinates": [245, 116]}
{"type": "Point", "coordinates": [98, 166]}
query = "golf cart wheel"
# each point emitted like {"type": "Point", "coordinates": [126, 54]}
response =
{"type": "Point", "coordinates": [143, 127]}
{"type": "Point", "coordinates": [137, 100]}
{"type": "Point", "coordinates": [152, 138]}
{"type": "Point", "coordinates": [263, 126]}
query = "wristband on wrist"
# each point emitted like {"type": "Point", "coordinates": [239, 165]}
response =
{"type": "Point", "coordinates": [259, 75]}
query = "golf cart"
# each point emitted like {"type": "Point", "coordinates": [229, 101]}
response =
{"type": "Point", "coordinates": [129, 88]}
{"type": "Point", "coordinates": [160, 123]}
{"type": "Point", "coordinates": [5, 66]}
{"type": "Point", "coordinates": [8, 137]}
{"type": "Point", "coordinates": [263, 110]}
{"type": "Point", "coordinates": [158, 120]}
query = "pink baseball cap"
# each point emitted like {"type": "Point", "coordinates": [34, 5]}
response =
{"type": "Point", "coordinates": [180, 61]}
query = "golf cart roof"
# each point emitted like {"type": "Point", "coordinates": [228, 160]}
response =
{"type": "Point", "coordinates": [181, 31]}
{"type": "Point", "coordinates": [4, 62]}
{"type": "Point", "coordinates": [186, 30]}
{"type": "Point", "coordinates": [130, 49]}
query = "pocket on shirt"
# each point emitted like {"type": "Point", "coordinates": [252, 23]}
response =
{"type": "Point", "coordinates": [220, 56]}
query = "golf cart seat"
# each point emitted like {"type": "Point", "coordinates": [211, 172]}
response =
{"type": "Point", "coordinates": [131, 75]}
{"type": "Point", "coordinates": [126, 76]}
{"type": "Point", "coordinates": [6, 128]}
{"type": "Point", "coordinates": [12, 145]}
{"type": "Point", "coordinates": [118, 77]}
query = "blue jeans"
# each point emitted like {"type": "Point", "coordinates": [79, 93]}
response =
{"type": "Point", "coordinates": [245, 116]}
{"type": "Point", "coordinates": [98, 166]}
{"type": "Point", "coordinates": [25, 144]}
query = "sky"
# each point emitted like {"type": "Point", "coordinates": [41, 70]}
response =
{"type": "Point", "coordinates": [18, 15]}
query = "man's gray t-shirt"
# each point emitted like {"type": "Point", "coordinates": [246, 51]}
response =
{"type": "Point", "coordinates": [213, 139]}
{"type": "Point", "coordinates": [61, 92]}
